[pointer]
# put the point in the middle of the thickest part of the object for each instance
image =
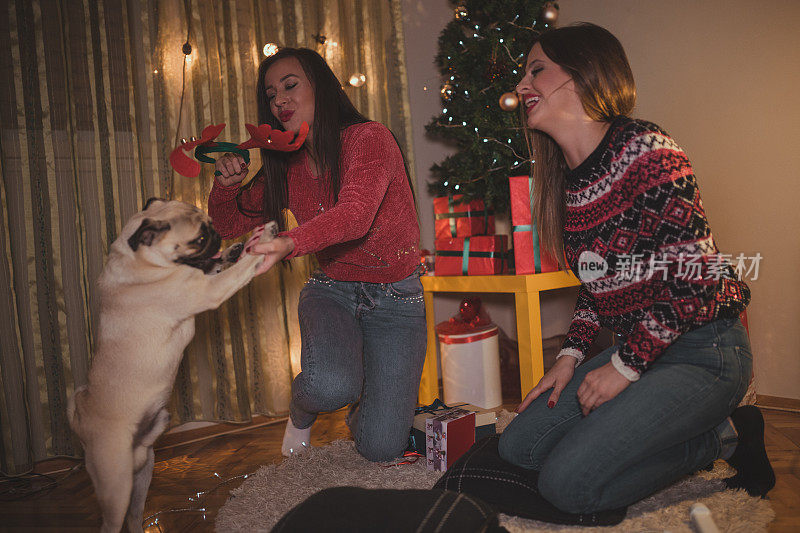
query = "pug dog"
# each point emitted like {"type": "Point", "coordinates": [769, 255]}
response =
{"type": "Point", "coordinates": [162, 271]}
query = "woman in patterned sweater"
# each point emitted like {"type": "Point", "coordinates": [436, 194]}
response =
{"type": "Point", "coordinates": [618, 197]}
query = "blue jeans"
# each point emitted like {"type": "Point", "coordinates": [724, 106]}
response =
{"type": "Point", "coordinates": [362, 342]}
{"type": "Point", "coordinates": [667, 424]}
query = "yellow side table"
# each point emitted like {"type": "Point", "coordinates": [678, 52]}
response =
{"type": "Point", "coordinates": [526, 289]}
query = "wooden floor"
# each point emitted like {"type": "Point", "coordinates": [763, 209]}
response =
{"type": "Point", "coordinates": [182, 470]}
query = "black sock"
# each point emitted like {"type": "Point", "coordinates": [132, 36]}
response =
{"type": "Point", "coordinates": [753, 470]}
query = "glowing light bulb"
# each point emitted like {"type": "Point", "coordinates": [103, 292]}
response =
{"type": "Point", "coordinates": [357, 79]}
{"type": "Point", "coordinates": [270, 49]}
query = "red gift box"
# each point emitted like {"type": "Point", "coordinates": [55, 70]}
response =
{"type": "Point", "coordinates": [456, 219]}
{"type": "Point", "coordinates": [471, 256]}
{"type": "Point", "coordinates": [447, 437]}
{"type": "Point", "coordinates": [528, 258]}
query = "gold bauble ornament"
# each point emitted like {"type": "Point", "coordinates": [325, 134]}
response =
{"type": "Point", "coordinates": [447, 91]}
{"type": "Point", "coordinates": [550, 12]}
{"type": "Point", "coordinates": [460, 12]}
{"type": "Point", "coordinates": [509, 101]}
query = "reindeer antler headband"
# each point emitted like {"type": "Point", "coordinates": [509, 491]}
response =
{"type": "Point", "coordinates": [262, 136]}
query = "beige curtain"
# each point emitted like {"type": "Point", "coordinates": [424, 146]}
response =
{"type": "Point", "coordinates": [90, 95]}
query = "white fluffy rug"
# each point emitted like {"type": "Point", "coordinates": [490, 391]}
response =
{"type": "Point", "coordinates": [269, 493]}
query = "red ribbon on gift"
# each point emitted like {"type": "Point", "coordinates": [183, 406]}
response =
{"type": "Point", "coordinates": [446, 339]}
{"type": "Point", "coordinates": [415, 456]}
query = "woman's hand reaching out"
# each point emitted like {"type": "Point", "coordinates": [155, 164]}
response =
{"type": "Point", "coordinates": [556, 378]}
{"type": "Point", "coordinates": [232, 169]}
{"type": "Point", "coordinates": [273, 251]}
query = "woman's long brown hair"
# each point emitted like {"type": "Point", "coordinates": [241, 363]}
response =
{"type": "Point", "coordinates": [597, 63]}
{"type": "Point", "coordinates": [333, 112]}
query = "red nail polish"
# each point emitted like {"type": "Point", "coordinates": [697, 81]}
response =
{"type": "Point", "coordinates": [551, 404]}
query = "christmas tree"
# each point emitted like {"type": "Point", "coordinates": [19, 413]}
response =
{"type": "Point", "coordinates": [482, 54]}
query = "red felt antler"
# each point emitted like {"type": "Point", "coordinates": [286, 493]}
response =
{"type": "Point", "coordinates": [264, 136]}
{"type": "Point", "coordinates": [183, 164]}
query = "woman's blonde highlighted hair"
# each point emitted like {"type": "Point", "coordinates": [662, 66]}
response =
{"type": "Point", "coordinates": [597, 63]}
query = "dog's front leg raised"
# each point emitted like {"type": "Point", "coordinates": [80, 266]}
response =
{"type": "Point", "coordinates": [212, 291]}
{"type": "Point", "coordinates": [222, 286]}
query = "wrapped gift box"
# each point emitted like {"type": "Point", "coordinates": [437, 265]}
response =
{"type": "Point", "coordinates": [456, 219]}
{"type": "Point", "coordinates": [471, 256]}
{"type": "Point", "coordinates": [528, 258]}
{"type": "Point", "coordinates": [447, 437]}
{"type": "Point", "coordinates": [485, 423]}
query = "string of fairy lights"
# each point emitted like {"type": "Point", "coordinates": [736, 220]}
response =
{"type": "Point", "coordinates": [153, 523]}
{"type": "Point", "coordinates": [153, 520]}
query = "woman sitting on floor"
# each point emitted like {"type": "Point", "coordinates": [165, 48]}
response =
{"type": "Point", "coordinates": [619, 194]}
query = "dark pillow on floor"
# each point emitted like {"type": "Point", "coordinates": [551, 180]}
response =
{"type": "Point", "coordinates": [354, 509]}
{"type": "Point", "coordinates": [511, 489]}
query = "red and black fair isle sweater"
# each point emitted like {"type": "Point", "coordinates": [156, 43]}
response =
{"type": "Point", "coordinates": [371, 233]}
{"type": "Point", "coordinates": [635, 201]}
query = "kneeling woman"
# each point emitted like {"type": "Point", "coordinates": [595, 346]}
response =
{"type": "Point", "coordinates": [616, 191]}
{"type": "Point", "coordinates": [362, 317]}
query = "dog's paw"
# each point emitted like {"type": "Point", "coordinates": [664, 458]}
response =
{"type": "Point", "coordinates": [232, 253]}
{"type": "Point", "coordinates": [270, 232]}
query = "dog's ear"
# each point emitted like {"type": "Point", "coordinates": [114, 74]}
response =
{"type": "Point", "coordinates": [151, 201]}
{"type": "Point", "coordinates": [147, 233]}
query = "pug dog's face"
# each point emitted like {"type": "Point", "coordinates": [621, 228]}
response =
{"type": "Point", "coordinates": [168, 232]}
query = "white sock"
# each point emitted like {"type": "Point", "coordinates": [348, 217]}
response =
{"type": "Point", "coordinates": [295, 440]}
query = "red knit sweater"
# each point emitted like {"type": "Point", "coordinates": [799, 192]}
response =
{"type": "Point", "coordinates": [370, 234]}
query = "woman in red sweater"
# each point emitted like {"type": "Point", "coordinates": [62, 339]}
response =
{"type": "Point", "coordinates": [362, 316]}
